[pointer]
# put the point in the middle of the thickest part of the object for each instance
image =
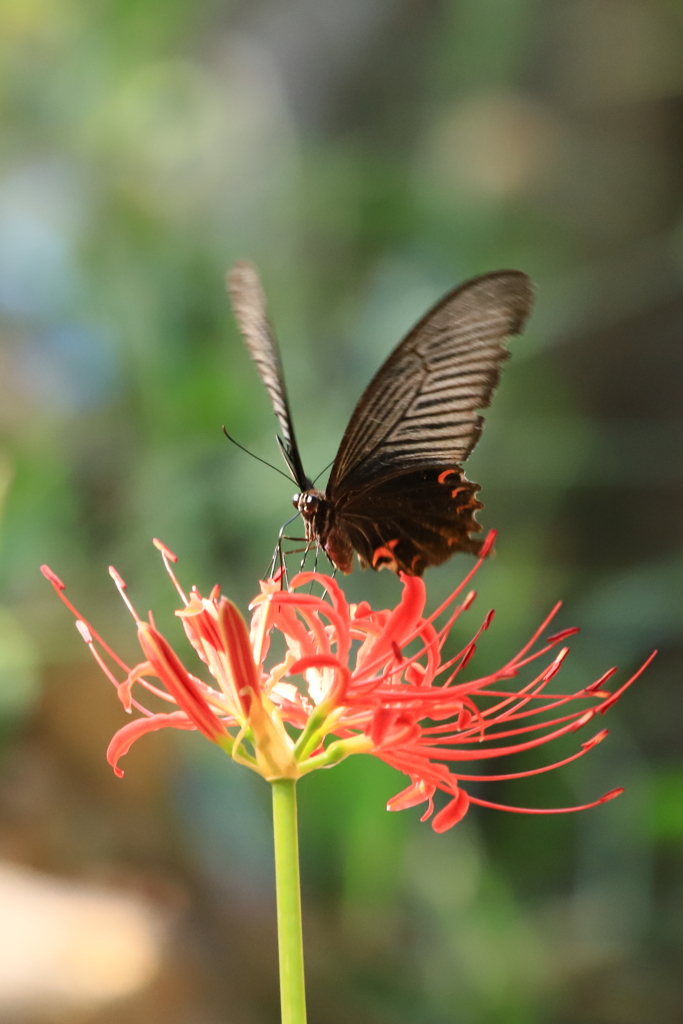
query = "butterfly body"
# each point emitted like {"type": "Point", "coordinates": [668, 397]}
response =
{"type": "Point", "coordinates": [397, 494]}
{"type": "Point", "coordinates": [322, 526]}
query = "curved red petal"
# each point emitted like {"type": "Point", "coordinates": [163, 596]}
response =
{"type": "Point", "coordinates": [403, 619]}
{"type": "Point", "coordinates": [124, 739]}
{"type": "Point", "coordinates": [336, 693]}
{"type": "Point", "coordinates": [452, 813]}
{"type": "Point", "coordinates": [168, 667]}
{"type": "Point", "coordinates": [338, 598]}
{"type": "Point", "coordinates": [416, 793]}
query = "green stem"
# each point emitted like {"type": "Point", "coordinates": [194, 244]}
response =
{"type": "Point", "coordinates": [289, 932]}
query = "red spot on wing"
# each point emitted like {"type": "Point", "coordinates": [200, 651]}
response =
{"type": "Point", "coordinates": [385, 551]}
{"type": "Point", "coordinates": [442, 476]}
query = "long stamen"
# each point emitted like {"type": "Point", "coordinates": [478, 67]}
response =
{"type": "Point", "coordinates": [585, 749]}
{"type": "Point", "coordinates": [121, 586]}
{"type": "Point", "coordinates": [611, 795]}
{"type": "Point", "coordinates": [88, 637]}
{"type": "Point", "coordinates": [169, 557]}
{"type": "Point", "coordinates": [59, 589]}
{"type": "Point", "coordinates": [539, 632]}
{"type": "Point", "coordinates": [473, 736]}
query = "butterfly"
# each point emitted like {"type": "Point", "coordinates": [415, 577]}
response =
{"type": "Point", "coordinates": [397, 494]}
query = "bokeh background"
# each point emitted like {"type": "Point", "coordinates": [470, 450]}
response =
{"type": "Point", "coordinates": [368, 156]}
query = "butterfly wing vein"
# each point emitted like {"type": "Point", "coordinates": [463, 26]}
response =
{"type": "Point", "coordinates": [421, 408]}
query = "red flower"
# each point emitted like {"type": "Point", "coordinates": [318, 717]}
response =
{"type": "Point", "coordinates": [368, 682]}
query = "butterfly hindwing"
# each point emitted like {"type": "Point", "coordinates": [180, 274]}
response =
{"type": "Point", "coordinates": [411, 520]}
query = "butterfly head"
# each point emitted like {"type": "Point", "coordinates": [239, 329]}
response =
{"type": "Point", "coordinates": [315, 511]}
{"type": "Point", "coordinates": [307, 502]}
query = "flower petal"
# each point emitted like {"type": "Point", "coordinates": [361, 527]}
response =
{"type": "Point", "coordinates": [339, 602]}
{"type": "Point", "coordinates": [124, 739]}
{"type": "Point", "coordinates": [337, 691]}
{"type": "Point", "coordinates": [401, 624]}
{"type": "Point", "coordinates": [237, 647]}
{"type": "Point", "coordinates": [179, 683]}
{"type": "Point", "coordinates": [417, 793]}
{"type": "Point", "coordinates": [452, 813]}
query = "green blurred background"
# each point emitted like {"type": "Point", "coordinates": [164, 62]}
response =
{"type": "Point", "coordinates": [368, 155]}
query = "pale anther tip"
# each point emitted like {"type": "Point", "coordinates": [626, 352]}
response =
{"type": "Point", "coordinates": [52, 577]}
{"type": "Point", "coordinates": [584, 719]}
{"type": "Point", "coordinates": [594, 740]}
{"type": "Point", "coordinates": [117, 578]}
{"type": "Point", "coordinates": [84, 631]}
{"type": "Point", "coordinates": [160, 546]}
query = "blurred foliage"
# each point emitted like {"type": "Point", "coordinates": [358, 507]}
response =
{"type": "Point", "coordinates": [367, 156]}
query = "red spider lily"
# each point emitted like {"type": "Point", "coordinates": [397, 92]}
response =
{"type": "Point", "coordinates": [370, 682]}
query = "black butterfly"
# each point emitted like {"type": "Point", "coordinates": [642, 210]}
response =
{"type": "Point", "coordinates": [397, 493]}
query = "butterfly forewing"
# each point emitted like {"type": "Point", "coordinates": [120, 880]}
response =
{"type": "Point", "coordinates": [421, 407]}
{"type": "Point", "coordinates": [249, 306]}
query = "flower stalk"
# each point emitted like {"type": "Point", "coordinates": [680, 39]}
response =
{"type": "Point", "coordinates": [288, 891]}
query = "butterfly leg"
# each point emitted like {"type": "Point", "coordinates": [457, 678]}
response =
{"type": "Point", "coordinates": [295, 551]}
{"type": "Point", "coordinates": [303, 560]}
{"type": "Point", "coordinates": [270, 572]}
{"type": "Point", "coordinates": [277, 553]}
{"type": "Point", "coordinates": [315, 564]}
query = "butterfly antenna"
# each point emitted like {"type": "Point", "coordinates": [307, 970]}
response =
{"type": "Point", "coordinates": [323, 471]}
{"type": "Point", "coordinates": [257, 457]}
